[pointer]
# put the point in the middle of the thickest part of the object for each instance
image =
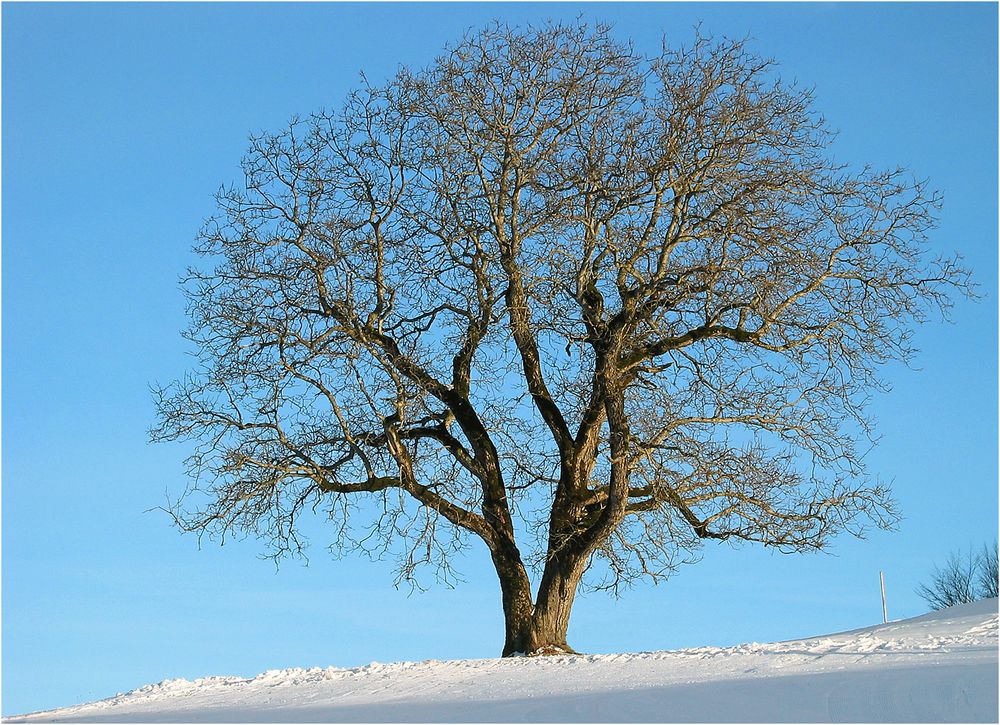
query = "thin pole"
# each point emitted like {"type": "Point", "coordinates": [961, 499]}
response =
{"type": "Point", "coordinates": [885, 616]}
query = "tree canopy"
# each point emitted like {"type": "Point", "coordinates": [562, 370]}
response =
{"type": "Point", "coordinates": [559, 296]}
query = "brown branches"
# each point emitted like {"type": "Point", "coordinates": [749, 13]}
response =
{"type": "Point", "coordinates": [628, 298]}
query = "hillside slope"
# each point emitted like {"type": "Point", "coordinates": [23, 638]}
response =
{"type": "Point", "coordinates": [941, 667]}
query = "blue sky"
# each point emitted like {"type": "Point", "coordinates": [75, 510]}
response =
{"type": "Point", "coordinates": [120, 120]}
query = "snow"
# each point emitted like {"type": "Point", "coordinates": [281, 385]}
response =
{"type": "Point", "coordinates": [941, 667]}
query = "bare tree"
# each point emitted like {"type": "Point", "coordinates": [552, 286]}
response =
{"type": "Point", "coordinates": [962, 579]}
{"type": "Point", "coordinates": [584, 305]}
{"type": "Point", "coordinates": [987, 582]}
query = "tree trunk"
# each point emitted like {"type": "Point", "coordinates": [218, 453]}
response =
{"type": "Point", "coordinates": [541, 629]}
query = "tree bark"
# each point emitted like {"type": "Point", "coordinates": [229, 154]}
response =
{"type": "Point", "coordinates": [515, 590]}
{"type": "Point", "coordinates": [540, 628]}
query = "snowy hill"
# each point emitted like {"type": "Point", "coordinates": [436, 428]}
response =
{"type": "Point", "coordinates": [936, 668]}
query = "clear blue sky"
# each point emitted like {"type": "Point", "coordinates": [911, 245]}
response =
{"type": "Point", "coordinates": [119, 121]}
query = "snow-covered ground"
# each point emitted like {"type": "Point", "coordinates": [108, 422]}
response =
{"type": "Point", "coordinates": [940, 667]}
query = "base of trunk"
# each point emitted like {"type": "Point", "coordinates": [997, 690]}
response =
{"type": "Point", "coordinates": [531, 644]}
{"type": "Point", "coordinates": [539, 629]}
{"type": "Point", "coordinates": [553, 650]}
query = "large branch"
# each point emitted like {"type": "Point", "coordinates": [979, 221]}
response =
{"type": "Point", "coordinates": [426, 495]}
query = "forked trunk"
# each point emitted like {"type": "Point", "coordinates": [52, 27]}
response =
{"type": "Point", "coordinates": [533, 638]}
{"type": "Point", "coordinates": [541, 629]}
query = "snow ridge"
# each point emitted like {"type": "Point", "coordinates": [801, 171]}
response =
{"type": "Point", "coordinates": [939, 667]}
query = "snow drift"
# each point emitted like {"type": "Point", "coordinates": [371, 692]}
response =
{"type": "Point", "coordinates": [941, 667]}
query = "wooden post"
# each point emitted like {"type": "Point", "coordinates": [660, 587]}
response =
{"type": "Point", "coordinates": [885, 616]}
